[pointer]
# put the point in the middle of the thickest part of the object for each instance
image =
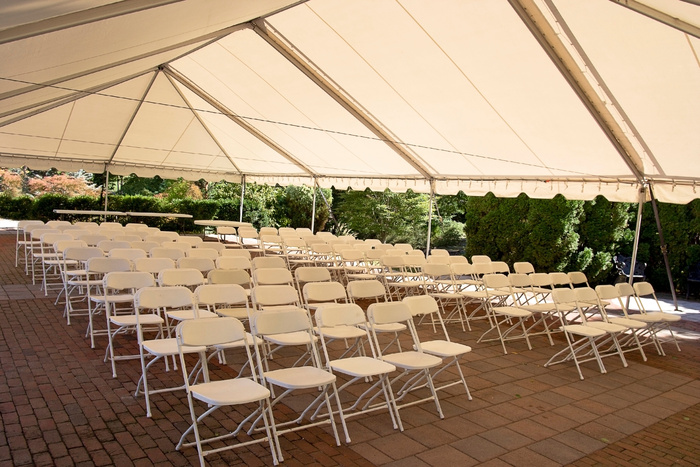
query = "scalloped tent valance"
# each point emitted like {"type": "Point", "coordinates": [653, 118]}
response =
{"type": "Point", "coordinates": [507, 96]}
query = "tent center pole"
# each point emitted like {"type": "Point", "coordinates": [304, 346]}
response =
{"type": "Point", "coordinates": [240, 209]}
{"type": "Point", "coordinates": [664, 248]}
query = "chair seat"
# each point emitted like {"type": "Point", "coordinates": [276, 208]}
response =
{"type": "Point", "coordinates": [607, 327]}
{"type": "Point", "coordinates": [299, 377]}
{"type": "Point", "coordinates": [181, 315]}
{"type": "Point", "coordinates": [361, 366]}
{"type": "Point", "coordinates": [582, 330]}
{"type": "Point", "coordinates": [443, 348]}
{"type": "Point", "coordinates": [290, 338]}
{"type": "Point", "coordinates": [168, 346]}
{"type": "Point", "coordinates": [629, 323]}
{"type": "Point", "coordinates": [130, 320]}
{"type": "Point", "coordinates": [343, 332]}
{"type": "Point", "coordinates": [240, 313]}
{"type": "Point", "coordinates": [668, 317]}
{"type": "Point", "coordinates": [648, 317]}
{"type": "Point", "coordinates": [512, 311]}
{"type": "Point", "coordinates": [229, 392]}
{"type": "Point", "coordinates": [390, 327]}
{"type": "Point", "coordinates": [412, 360]}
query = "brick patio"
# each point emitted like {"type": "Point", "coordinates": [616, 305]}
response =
{"type": "Point", "coordinates": [59, 404]}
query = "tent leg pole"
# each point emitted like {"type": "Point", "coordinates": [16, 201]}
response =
{"type": "Point", "coordinates": [637, 232]}
{"type": "Point", "coordinates": [313, 210]}
{"type": "Point", "coordinates": [664, 248]}
{"type": "Point", "coordinates": [240, 209]}
{"type": "Point", "coordinates": [104, 218]}
{"type": "Point", "coordinates": [430, 221]}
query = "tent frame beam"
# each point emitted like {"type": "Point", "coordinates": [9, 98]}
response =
{"type": "Point", "coordinates": [273, 37]}
{"type": "Point", "coordinates": [552, 43]}
{"type": "Point", "coordinates": [240, 121]}
{"type": "Point", "coordinates": [661, 16]}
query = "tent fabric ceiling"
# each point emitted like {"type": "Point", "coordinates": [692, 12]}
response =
{"type": "Point", "coordinates": [507, 96]}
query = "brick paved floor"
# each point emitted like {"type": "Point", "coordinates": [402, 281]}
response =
{"type": "Point", "coordinates": [59, 404]}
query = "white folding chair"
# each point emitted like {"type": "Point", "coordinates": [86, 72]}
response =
{"type": "Point", "coordinates": [581, 339]}
{"type": "Point", "coordinates": [501, 310]}
{"type": "Point", "coordinates": [335, 320]}
{"type": "Point", "coordinates": [414, 363]}
{"type": "Point", "coordinates": [153, 300]}
{"type": "Point", "coordinates": [426, 306]}
{"type": "Point", "coordinates": [119, 288]}
{"type": "Point", "coordinates": [312, 377]}
{"type": "Point", "coordinates": [644, 290]}
{"type": "Point", "coordinates": [216, 394]}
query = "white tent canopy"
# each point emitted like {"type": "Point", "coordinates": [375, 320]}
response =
{"type": "Point", "coordinates": [507, 96]}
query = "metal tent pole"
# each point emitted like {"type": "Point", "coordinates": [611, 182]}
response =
{"type": "Point", "coordinates": [664, 248]}
{"type": "Point", "coordinates": [106, 192]}
{"type": "Point", "coordinates": [313, 209]}
{"type": "Point", "coordinates": [430, 220]}
{"type": "Point", "coordinates": [637, 233]}
{"type": "Point", "coordinates": [240, 215]}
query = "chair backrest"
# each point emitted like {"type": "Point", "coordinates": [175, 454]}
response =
{"type": "Point", "coordinates": [208, 253]}
{"type": "Point", "coordinates": [541, 279]}
{"type": "Point", "coordinates": [339, 314]}
{"type": "Point", "coordinates": [128, 253]}
{"type": "Point", "coordinates": [577, 279]}
{"type": "Point", "coordinates": [480, 259]}
{"type": "Point", "coordinates": [324, 292]}
{"type": "Point", "coordinates": [191, 239]}
{"type": "Point", "coordinates": [268, 231]}
{"type": "Point", "coordinates": [122, 280]}
{"type": "Point", "coordinates": [61, 245]}
{"type": "Point", "coordinates": [208, 333]}
{"type": "Point", "coordinates": [523, 267]}
{"type": "Point", "coordinates": [236, 252]}
{"type": "Point", "coordinates": [165, 297]}
{"type": "Point", "coordinates": [221, 294]}
{"type": "Point", "coordinates": [76, 232]}
{"type": "Point", "coordinates": [643, 289]}
{"type": "Point", "coordinates": [366, 289]}
{"type": "Point", "coordinates": [82, 253]}
{"type": "Point", "coordinates": [233, 262]}
{"type": "Point", "coordinates": [279, 322]}
{"type": "Point", "coordinates": [607, 292]}
{"type": "Point", "coordinates": [500, 267]}
{"type": "Point", "coordinates": [564, 296]}
{"type": "Point", "coordinates": [268, 262]}
{"type": "Point", "coordinates": [264, 296]}
{"type": "Point", "coordinates": [145, 246]}
{"type": "Point", "coordinates": [624, 289]}
{"type": "Point", "coordinates": [496, 282]}
{"type": "Point", "coordinates": [158, 238]}
{"type": "Point", "coordinates": [164, 252]}
{"type": "Point", "coordinates": [153, 265]}
{"type": "Point", "coordinates": [439, 252]}
{"type": "Point", "coordinates": [437, 271]}
{"type": "Point", "coordinates": [389, 313]}
{"type": "Point", "coordinates": [102, 265]}
{"type": "Point", "coordinates": [108, 245]}
{"type": "Point", "coordinates": [229, 276]}
{"type": "Point", "coordinates": [219, 247]}
{"type": "Point", "coordinates": [272, 276]}
{"type": "Point", "coordinates": [186, 277]}
{"type": "Point", "coordinates": [127, 238]}
{"type": "Point", "coordinates": [438, 259]}
{"type": "Point", "coordinates": [560, 279]}
{"type": "Point", "coordinates": [201, 264]}
{"type": "Point", "coordinates": [520, 280]}
{"type": "Point", "coordinates": [425, 305]}
{"type": "Point", "coordinates": [306, 274]}
{"type": "Point", "coordinates": [184, 246]}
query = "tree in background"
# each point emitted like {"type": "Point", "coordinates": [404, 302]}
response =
{"type": "Point", "coordinates": [386, 216]}
{"type": "Point", "coordinates": [10, 183]}
{"type": "Point", "coordinates": [294, 207]}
